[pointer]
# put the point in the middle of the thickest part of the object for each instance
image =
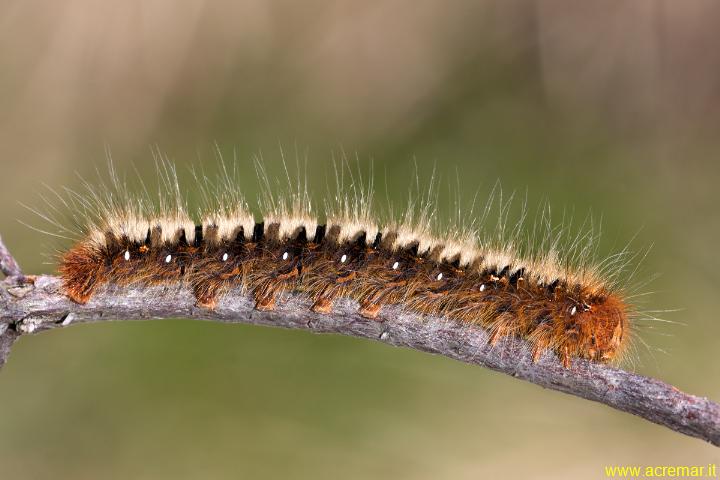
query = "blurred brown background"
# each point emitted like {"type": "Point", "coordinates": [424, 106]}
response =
{"type": "Point", "coordinates": [609, 106]}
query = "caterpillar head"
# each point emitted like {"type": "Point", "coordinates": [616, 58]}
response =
{"type": "Point", "coordinates": [603, 322]}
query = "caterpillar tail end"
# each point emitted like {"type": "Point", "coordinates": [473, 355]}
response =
{"type": "Point", "coordinates": [81, 270]}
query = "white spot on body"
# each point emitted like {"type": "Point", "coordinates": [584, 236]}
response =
{"type": "Point", "coordinates": [285, 255]}
{"type": "Point", "coordinates": [225, 257]}
{"type": "Point", "coordinates": [168, 259]}
{"type": "Point", "coordinates": [396, 265]}
{"type": "Point", "coordinates": [439, 276]}
{"type": "Point", "coordinates": [573, 311]}
{"type": "Point", "coordinates": [482, 287]}
{"type": "Point", "coordinates": [343, 258]}
{"type": "Point", "coordinates": [127, 255]}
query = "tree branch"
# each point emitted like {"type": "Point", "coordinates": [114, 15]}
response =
{"type": "Point", "coordinates": [33, 304]}
{"type": "Point", "coordinates": [8, 265]}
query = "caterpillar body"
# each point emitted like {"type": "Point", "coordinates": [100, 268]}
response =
{"type": "Point", "coordinates": [569, 310]}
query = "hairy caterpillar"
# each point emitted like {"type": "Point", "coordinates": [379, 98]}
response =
{"type": "Point", "coordinates": [572, 310]}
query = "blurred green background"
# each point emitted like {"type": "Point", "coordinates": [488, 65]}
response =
{"type": "Point", "coordinates": [610, 106]}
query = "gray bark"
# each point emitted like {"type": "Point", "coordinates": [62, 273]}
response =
{"type": "Point", "coordinates": [8, 266]}
{"type": "Point", "coordinates": [29, 305]}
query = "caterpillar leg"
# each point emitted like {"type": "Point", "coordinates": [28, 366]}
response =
{"type": "Point", "coordinates": [206, 294]}
{"type": "Point", "coordinates": [78, 295]}
{"type": "Point", "coordinates": [369, 309]}
{"type": "Point", "coordinates": [265, 301]}
{"type": "Point", "coordinates": [322, 305]}
{"type": "Point", "coordinates": [497, 334]}
{"type": "Point", "coordinates": [324, 300]}
{"type": "Point", "coordinates": [207, 300]}
{"type": "Point", "coordinates": [565, 357]}
{"type": "Point", "coordinates": [371, 305]}
{"type": "Point", "coordinates": [265, 305]}
{"type": "Point", "coordinates": [540, 339]}
{"type": "Point", "coordinates": [537, 351]}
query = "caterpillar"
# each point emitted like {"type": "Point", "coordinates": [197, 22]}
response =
{"type": "Point", "coordinates": [573, 310]}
